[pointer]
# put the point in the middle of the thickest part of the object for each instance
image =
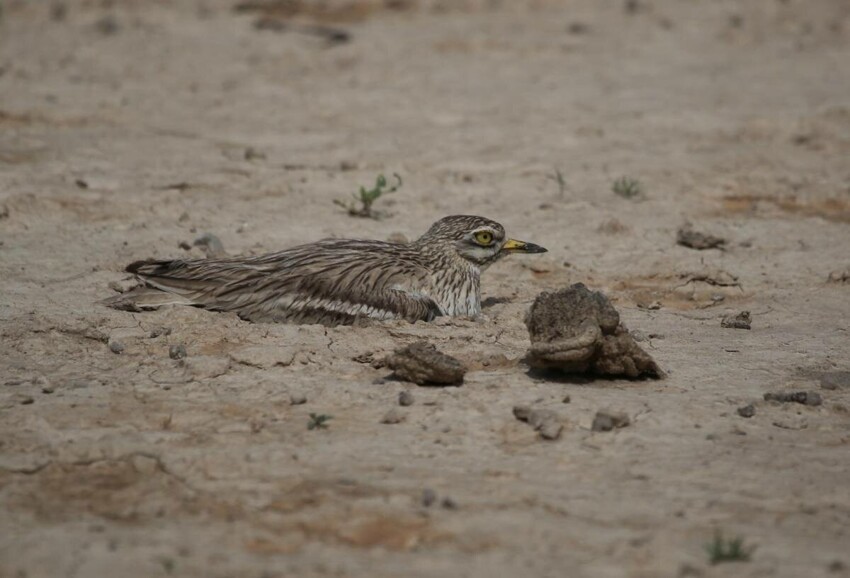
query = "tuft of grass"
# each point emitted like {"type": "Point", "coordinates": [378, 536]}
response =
{"type": "Point", "coordinates": [627, 187]}
{"type": "Point", "coordinates": [365, 198]}
{"type": "Point", "coordinates": [558, 177]}
{"type": "Point", "coordinates": [318, 421]}
{"type": "Point", "coordinates": [733, 550]}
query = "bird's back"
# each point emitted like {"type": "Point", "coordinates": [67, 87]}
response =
{"type": "Point", "coordinates": [331, 282]}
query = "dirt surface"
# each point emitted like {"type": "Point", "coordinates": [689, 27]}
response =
{"type": "Point", "coordinates": [130, 129]}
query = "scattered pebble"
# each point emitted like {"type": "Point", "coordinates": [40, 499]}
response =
{"type": "Point", "coordinates": [297, 399]}
{"type": "Point", "coordinates": [839, 276]}
{"type": "Point", "coordinates": [449, 503]}
{"type": "Point", "coordinates": [794, 422]}
{"type": "Point", "coordinates": [422, 363]}
{"type": "Point", "coordinates": [429, 496]}
{"type": "Point", "coordinates": [740, 320]}
{"type": "Point", "coordinates": [394, 415]}
{"type": "Point", "coordinates": [81, 183]}
{"type": "Point", "coordinates": [211, 244]}
{"type": "Point", "coordinates": [107, 25]}
{"type": "Point", "coordinates": [22, 399]}
{"type": "Point", "coordinates": [546, 422]}
{"type": "Point", "coordinates": [803, 397]}
{"type": "Point", "coordinates": [578, 28]}
{"type": "Point", "coordinates": [177, 351]}
{"type": "Point", "coordinates": [116, 347]}
{"type": "Point", "coordinates": [47, 389]}
{"type": "Point", "coordinates": [159, 331]}
{"type": "Point", "coordinates": [748, 410]}
{"type": "Point", "coordinates": [687, 237]}
{"type": "Point", "coordinates": [185, 246]}
{"type": "Point", "coordinates": [405, 398]}
{"type": "Point", "coordinates": [608, 420]}
{"type": "Point", "coordinates": [566, 399]}
{"type": "Point", "coordinates": [251, 153]}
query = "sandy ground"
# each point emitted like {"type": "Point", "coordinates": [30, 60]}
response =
{"type": "Point", "coordinates": [128, 128]}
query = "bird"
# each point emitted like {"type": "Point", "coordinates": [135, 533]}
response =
{"type": "Point", "coordinates": [336, 281]}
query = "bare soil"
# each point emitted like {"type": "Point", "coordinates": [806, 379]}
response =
{"type": "Point", "coordinates": [128, 129]}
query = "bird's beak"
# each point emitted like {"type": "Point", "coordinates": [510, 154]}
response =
{"type": "Point", "coordinates": [514, 246]}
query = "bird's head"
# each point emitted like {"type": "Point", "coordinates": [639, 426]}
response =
{"type": "Point", "coordinates": [475, 239]}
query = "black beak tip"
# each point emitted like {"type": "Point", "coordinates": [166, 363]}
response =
{"type": "Point", "coordinates": [532, 248]}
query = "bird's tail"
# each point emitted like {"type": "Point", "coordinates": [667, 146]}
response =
{"type": "Point", "coordinates": [144, 298]}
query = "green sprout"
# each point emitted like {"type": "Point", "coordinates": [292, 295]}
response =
{"type": "Point", "coordinates": [318, 421]}
{"type": "Point", "coordinates": [723, 550]}
{"type": "Point", "coordinates": [627, 187]}
{"type": "Point", "coordinates": [558, 177]}
{"type": "Point", "coordinates": [366, 198]}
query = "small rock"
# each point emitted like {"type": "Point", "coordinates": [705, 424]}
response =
{"type": "Point", "coordinates": [405, 398]}
{"type": "Point", "coordinates": [550, 430]}
{"type": "Point", "coordinates": [567, 399]}
{"type": "Point", "coordinates": [422, 363]}
{"type": "Point", "coordinates": [107, 25]}
{"type": "Point", "coordinates": [839, 276]}
{"type": "Point", "coordinates": [22, 399]}
{"type": "Point", "coordinates": [687, 237]}
{"type": "Point", "coordinates": [211, 245]}
{"type": "Point", "coordinates": [448, 503]}
{"type": "Point", "coordinates": [123, 286]}
{"type": "Point", "coordinates": [177, 351]}
{"type": "Point", "coordinates": [576, 330]}
{"type": "Point", "coordinates": [251, 153]}
{"type": "Point", "coordinates": [803, 397]}
{"type": "Point", "coordinates": [47, 389]}
{"type": "Point", "coordinates": [608, 420]}
{"type": "Point", "coordinates": [185, 246]}
{"type": "Point", "coordinates": [740, 320]}
{"type": "Point", "coordinates": [158, 331]}
{"type": "Point", "coordinates": [794, 422]}
{"type": "Point", "coordinates": [578, 28]}
{"type": "Point", "coordinates": [297, 399]}
{"type": "Point", "coordinates": [393, 416]}
{"type": "Point", "coordinates": [546, 422]}
{"type": "Point", "coordinates": [116, 347]}
{"type": "Point", "coordinates": [429, 496]}
{"type": "Point", "coordinates": [82, 184]}
{"type": "Point", "coordinates": [748, 410]}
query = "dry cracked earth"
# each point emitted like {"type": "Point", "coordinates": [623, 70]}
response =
{"type": "Point", "coordinates": [176, 443]}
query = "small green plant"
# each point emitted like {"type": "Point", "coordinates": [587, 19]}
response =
{"type": "Point", "coordinates": [723, 550]}
{"type": "Point", "coordinates": [364, 199]}
{"type": "Point", "coordinates": [627, 187]}
{"type": "Point", "coordinates": [318, 421]}
{"type": "Point", "coordinates": [558, 177]}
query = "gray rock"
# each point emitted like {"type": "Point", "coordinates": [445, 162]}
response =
{"type": "Point", "coordinates": [177, 351]}
{"type": "Point", "coordinates": [747, 411]}
{"type": "Point", "coordinates": [422, 363]}
{"type": "Point", "coordinates": [297, 399]}
{"type": "Point", "coordinates": [576, 330]}
{"type": "Point", "coordinates": [405, 398]}
{"type": "Point", "coordinates": [116, 347]}
{"type": "Point", "coordinates": [803, 397]}
{"type": "Point", "coordinates": [429, 496]}
{"type": "Point", "coordinates": [393, 416]}
{"type": "Point", "coordinates": [605, 420]}
{"type": "Point", "coordinates": [741, 320]}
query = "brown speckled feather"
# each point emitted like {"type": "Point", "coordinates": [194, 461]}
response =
{"type": "Point", "coordinates": [335, 281]}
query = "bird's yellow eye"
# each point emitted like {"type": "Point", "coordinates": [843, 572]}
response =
{"type": "Point", "coordinates": [484, 237]}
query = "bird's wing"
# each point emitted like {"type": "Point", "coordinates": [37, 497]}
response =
{"type": "Point", "coordinates": [332, 282]}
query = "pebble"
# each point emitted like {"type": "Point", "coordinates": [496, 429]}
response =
{"type": "Point", "coordinates": [297, 399]}
{"type": "Point", "coordinates": [608, 420]}
{"type": "Point", "coordinates": [405, 398]}
{"type": "Point", "coordinates": [22, 399]}
{"type": "Point", "coordinates": [803, 397]}
{"type": "Point", "coordinates": [741, 320]}
{"type": "Point", "coordinates": [116, 347]}
{"type": "Point", "coordinates": [747, 410]}
{"type": "Point", "coordinates": [177, 351]}
{"type": "Point", "coordinates": [158, 331]}
{"type": "Point", "coordinates": [567, 399]}
{"type": "Point", "coordinates": [393, 416]}
{"type": "Point", "coordinates": [429, 496]}
{"type": "Point", "coordinates": [544, 421]}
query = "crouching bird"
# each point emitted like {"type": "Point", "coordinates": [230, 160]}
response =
{"type": "Point", "coordinates": [337, 281]}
